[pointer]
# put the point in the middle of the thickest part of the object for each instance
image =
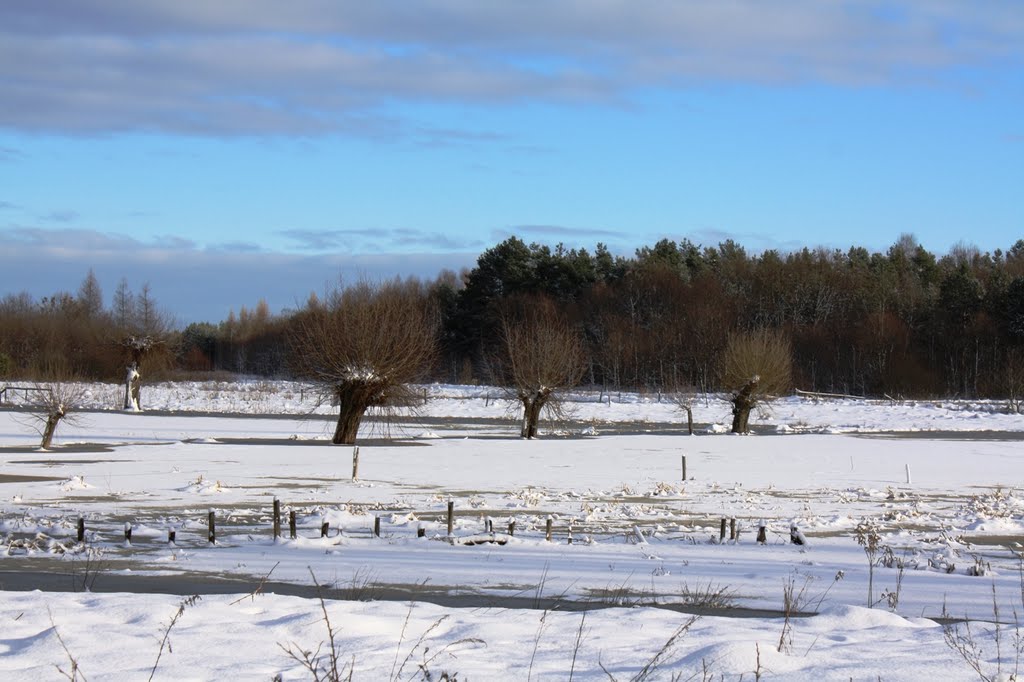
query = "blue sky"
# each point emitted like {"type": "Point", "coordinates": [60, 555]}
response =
{"type": "Point", "coordinates": [227, 152]}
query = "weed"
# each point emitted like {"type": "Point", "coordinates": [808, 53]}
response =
{"type": "Point", "coordinates": [165, 642]}
{"type": "Point", "coordinates": [427, 657]}
{"type": "Point", "coordinates": [312, 661]}
{"type": "Point", "coordinates": [709, 596]}
{"type": "Point", "coordinates": [74, 673]}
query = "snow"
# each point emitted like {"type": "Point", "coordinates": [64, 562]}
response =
{"type": "Point", "coordinates": [644, 542]}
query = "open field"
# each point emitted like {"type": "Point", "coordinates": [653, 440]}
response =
{"type": "Point", "coordinates": [937, 485]}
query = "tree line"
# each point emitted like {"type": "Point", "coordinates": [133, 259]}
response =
{"type": "Point", "coordinates": [903, 322]}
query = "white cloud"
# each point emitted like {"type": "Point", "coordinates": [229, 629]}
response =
{"type": "Point", "coordinates": [265, 67]}
{"type": "Point", "coordinates": [192, 282]}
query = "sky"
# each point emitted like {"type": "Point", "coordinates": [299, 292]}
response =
{"type": "Point", "coordinates": [242, 150]}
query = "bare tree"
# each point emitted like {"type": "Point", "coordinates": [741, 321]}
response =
{"type": "Point", "coordinates": [684, 397]}
{"type": "Point", "coordinates": [143, 335]}
{"type": "Point", "coordinates": [757, 366]}
{"type": "Point", "coordinates": [57, 397]}
{"type": "Point", "coordinates": [542, 356]}
{"type": "Point", "coordinates": [362, 348]}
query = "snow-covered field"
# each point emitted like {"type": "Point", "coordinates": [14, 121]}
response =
{"type": "Point", "coordinates": [939, 486]}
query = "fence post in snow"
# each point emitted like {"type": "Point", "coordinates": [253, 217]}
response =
{"type": "Point", "coordinates": [908, 473]}
{"type": "Point", "coordinates": [376, 526]}
{"type": "Point", "coordinates": [211, 525]}
{"type": "Point", "coordinates": [451, 517]}
{"type": "Point", "coordinates": [128, 532]}
{"type": "Point", "coordinates": [170, 536]}
{"type": "Point", "coordinates": [324, 527]}
{"type": "Point", "coordinates": [762, 533]}
{"type": "Point", "coordinates": [547, 530]}
{"type": "Point", "coordinates": [277, 518]}
{"type": "Point", "coordinates": [355, 463]}
{"type": "Point", "coordinates": [732, 528]}
{"type": "Point", "coordinates": [512, 527]}
{"type": "Point", "coordinates": [291, 523]}
{"type": "Point", "coordinates": [684, 467]}
{"type": "Point", "coordinates": [81, 529]}
{"type": "Point", "coordinates": [721, 531]}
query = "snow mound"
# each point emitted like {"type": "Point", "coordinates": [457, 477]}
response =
{"type": "Point", "coordinates": [847, 618]}
{"type": "Point", "coordinates": [201, 486]}
{"type": "Point", "coordinates": [74, 483]}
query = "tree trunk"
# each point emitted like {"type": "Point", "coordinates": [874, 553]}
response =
{"type": "Point", "coordinates": [52, 420]}
{"type": "Point", "coordinates": [349, 417]}
{"type": "Point", "coordinates": [532, 405]}
{"type": "Point", "coordinates": [742, 403]}
{"type": "Point", "coordinates": [132, 388]}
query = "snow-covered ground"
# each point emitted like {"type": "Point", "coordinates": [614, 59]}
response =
{"type": "Point", "coordinates": [938, 485]}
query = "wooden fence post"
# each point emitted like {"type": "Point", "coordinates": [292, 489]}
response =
{"type": "Point", "coordinates": [355, 463]}
{"type": "Point", "coordinates": [684, 467]}
{"type": "Point", "coordinates": [170, 536]}
{"type": "Point", "coordinates": [451, 517]}
{"type": "Point", "coordinates": [512, 527]}
{"type": "Point", "coordinates": [291, 523]}
{"type": "Point", "coordinates": [376, 526]}
{"type": "Point", "coordinates": [211, 524]}
{"type": "Point", "coordinates": [547, 530]}
{"type": "Point", "coordinates": [721, 532]}
{"type": "Point", "coordinates": [732, 528]}
{"type": "Point", "coordinates": [762, 534]}
{"type": "Point", "coordinates": [128, 531]}
{"type": "Point", "coordinates": [81, 529]}
{"type": "Point", "coordinates": [277, 518]}
{"type": "Point", "coordinates": [324, 527]}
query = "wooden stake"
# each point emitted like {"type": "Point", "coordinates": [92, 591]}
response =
{"type": "Point", "coordinates": [451, 516]}
{"type": "Point", "coordinates": [547, 530]}
{"type": "Point", "coordinates": [291, 523]}
{"type": "Point", "coordinates": [324, 527]}
{"type": "Point", "coordinates": [421, 532]}
{"type": "Point", "coordinates": [170, 536]}
{"type": "Point", "coordinates": [211, 524]}
{"type": "Point", "coordinates": [732, 528]}
{"type": "Point", "coordinates": [127, 531]}
{"type": "Point", "coordinates": [721, 532]}
{"type": "Point", "coordinates": [512, 527]}
{"type": "Point", "coordinates": [277, 518]}
{"type": "Point", "coordinates": [762, 534]}
{"type": "Point", "coordinates": [81, 529]}
{"type": "Point", "coordinates": [355, 463]}
{"type": "Point", "coordinates": [684, 467]}
{"type": "Point", "coordinates": [376, 526]}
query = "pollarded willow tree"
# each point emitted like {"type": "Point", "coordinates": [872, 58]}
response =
{"type": "Point", "coordinates": [757, 366]}
{"type": "Point", "coordinates": [57, 395]}
{"type": "Point", "coordinates": [142, 330]}
{"type": "Point", "coordinates": [542, 356]}
{"type": "Point", "coordinates": [362, 348]}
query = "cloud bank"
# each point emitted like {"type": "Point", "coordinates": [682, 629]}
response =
{"type": "Point", "coordinates": [262, 67]}
{"type": "Point", "coordinates": [196, 283]}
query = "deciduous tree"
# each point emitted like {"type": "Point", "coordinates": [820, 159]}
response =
{"type": "Point", "coordinates": [542, 356]}
{"type": "Point", "coordinates": [756, 367]}
{"type": "Point", "coordinates": [362, 348]}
